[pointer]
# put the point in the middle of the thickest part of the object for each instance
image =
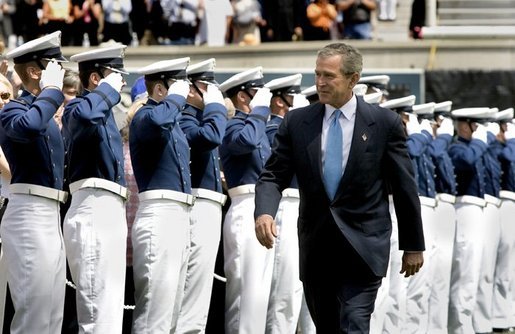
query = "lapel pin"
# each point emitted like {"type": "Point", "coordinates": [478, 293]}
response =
{"type": "Point", "coordinates": [364, 137]}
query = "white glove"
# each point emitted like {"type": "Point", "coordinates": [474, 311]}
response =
{"type": "Point", "coordinates": [115, 80]}
{"type": "Point", "coordinates": [426, 125]}
{"type": "Point", "coordinates": [299, 101]}
{"type": "Point", "coordinates": [180, 87]}
{"type": "Point", "coordinates": [480, 133]}
{"type": "Point", "coordinates": [493, 127]}
{"type": "Point", "coordinates": [261, 99]}
{"type": "Point", "coordinates": [446, 127]}
{"type": "Point", "coordinates": [213, 95]}
{"type": "Point", "coordinates": [412, 126]}
{"type": "Point", "coordinates": [52, 76]}
{"type": "Point", "coordinates": [510, 132]}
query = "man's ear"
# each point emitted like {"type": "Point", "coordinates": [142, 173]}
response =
{"type": "Point", "coordinates": [34, 72]}
{"type": "Point", "coordinates": [94, 79]}
{"type": "Point", "coordinates": [354, 79]}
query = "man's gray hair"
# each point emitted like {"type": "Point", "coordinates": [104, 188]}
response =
{"type": "Point", "coordinates": [352, 61]}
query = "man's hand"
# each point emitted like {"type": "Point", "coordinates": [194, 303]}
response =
{"type": "Point", "coordinates": [115, 80]}
{"type": "Point", "coordinates": [52, 76]}
{"type": "Point", "coordinates": [411, 263]}
{"type": "Point", "coordinates": [266, 230]}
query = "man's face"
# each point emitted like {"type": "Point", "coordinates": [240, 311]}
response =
{"type": "Point", "coordinates": [333, 87]}
{"type": "Point", "coordinates": [465, 129]}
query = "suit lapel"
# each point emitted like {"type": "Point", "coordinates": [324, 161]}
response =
{"type": "Point", "coordinates": [313, 134]}
{"type": "Point", "coordinates": [360, 138]}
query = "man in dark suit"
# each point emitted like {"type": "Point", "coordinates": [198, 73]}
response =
{"type": "Point", "coordinates": [344, 233]}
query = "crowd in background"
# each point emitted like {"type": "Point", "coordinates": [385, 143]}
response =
{"type": "Point", "coordinates": [188, 22]}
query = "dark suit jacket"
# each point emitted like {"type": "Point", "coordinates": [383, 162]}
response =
{"type": "Point", "coordinates": [378, 161]}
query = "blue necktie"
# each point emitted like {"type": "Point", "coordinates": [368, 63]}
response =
{"type": "Point", "coordinates": [333, 155]}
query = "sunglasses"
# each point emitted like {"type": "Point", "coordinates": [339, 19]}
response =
{"type": "Point", "coordinates": [5, 95]}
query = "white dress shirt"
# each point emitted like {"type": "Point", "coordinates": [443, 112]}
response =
{"type": "Point", "coordinates": [347, 120]}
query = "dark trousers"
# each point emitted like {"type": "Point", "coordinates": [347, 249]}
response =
{"type": "Point", "coordinates": [340, 295]}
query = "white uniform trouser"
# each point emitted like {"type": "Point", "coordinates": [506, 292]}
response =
{"type": "Point", "coordinates": [95, 233]}
{"type": "Point", "coordinates": [286, 290]}
{"type": "Point", "coordinates": [419, 285]}
{"type": "Point", "coordinates": [248, 269]}
{"type": "Point", "coordinates": [206, 221]}
{"type": "Point", "coordinates": [445, 229]}
{"type": "Point", "coordinates": [391, 311]}
{"type": "Point", "coordinates": [482, 314]}
{"type": "Point", "coordinates": [33, 248]}
{"type": "Point", "coordinates": [306, 324]}
{"type": "Point", "coordinates": [468, 246]}
{"type": "Point", "coordinates": [160, 241]}
{"type": "Point", "coordinates": [503, 299]}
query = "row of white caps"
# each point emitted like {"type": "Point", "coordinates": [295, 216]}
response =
{"type": "Point", "coordinates": [481, 113]}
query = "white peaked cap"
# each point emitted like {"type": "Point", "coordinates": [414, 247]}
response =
{"type": "Point", "coordinates": [473, 113]}
{"type": "Point", "coordinates": [505, 115]}
{"type": "Point", "coordinates": [360, 89]}
{"type": "Point", "coordinates": [402, 102]}
{"type": "Point", "coordinates": [285, 85]}
{"type": "Point", "coordinates": [443, 107]}
{"type": "Point", "coordinates": [424, 109]}
{"type": "Point", "coordinates": [110, 57]}
{"type": "Point", "coordinates": [47, 47]}
{"type": "Point", "coordinates": [252, 78]}
{"type": "Point", "coordinates": [373, 98]}
{"type": "Point", "coordinates": [169, 68]}
{"type": "Point", "coordinates": [309, 91]}
{"type": "Point", "coordinates": [375, 80]}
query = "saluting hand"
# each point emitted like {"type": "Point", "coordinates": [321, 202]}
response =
{"type": "Point", "coordinates": [266, 230]}
{"type": "Point", "coordinates": [52, 76]}
{"type": "Point", "coordinates": [411, 263]}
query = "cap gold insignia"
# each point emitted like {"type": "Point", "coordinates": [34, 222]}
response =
{"type": "Point", "coordinates": [364, 137]}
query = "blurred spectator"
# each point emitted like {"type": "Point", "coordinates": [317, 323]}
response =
{"type": "Point", "coordinates": [6, 93]}
{"type": "Point", "coordinates": [418, 18]}
{"type": "Point", "coordinates": [15, 81]}
{"type": "Point", "coordinates": [132, 200]}
{"type": "Point", "coordinates": [7, 9]}
{"type": "Point", "coordinates": [116, 21]}
{"type": "Point", "coordinates": [284, 19]}
{"type": "Point", "coordinates": [246, 21]}
{"type": "Point", "coordinates": [87, 14]}
{"type": "Point", "coordinates": [57, 15]}
{"type": "Point", "coordinates": [27, 21]}
{"type": "Point", "coordinates": [183, 20]}
{"type": "Point", "coordinates": [387, 10]}
{"type": "Point", "coordinates": [215, 23]}
{"type": "Point", "coordinates": [356, 18]}
{"type": "Point", "coordinates": [148, 22]}
{"type": "Point", "coordinates": [71, 87]}
{"type": "Point", "coordinates": [322, 17]}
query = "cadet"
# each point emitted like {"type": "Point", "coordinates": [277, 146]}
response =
{"type": "Point", "coordinates": [244, 151]}
{"type": "Point", "coordinates": [161, 232]}
{"type": "Point", "coordinates": [203, 121]}
{"type": "Point", "coordinates": [389, 317]}
{"type": "Point", "coordinates": [286, 291]}
{"type": "Point", "coordinates": [503, 298]}
{"type": "Point", "coordinates": [482, 315]}
{"type": "Point", "coordinates": [467, 154]}
{"type": "Point", "coordinates": [95, 227]}
{"type": "Point", "coordinates": [32, 241]}
{"type": "Point", "coordinates": [445, 221]}
{"type": "Point", "coordinates": [419, 286]}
